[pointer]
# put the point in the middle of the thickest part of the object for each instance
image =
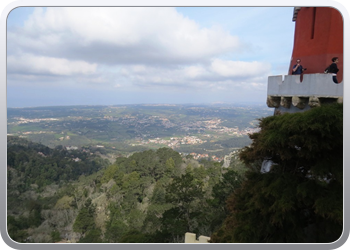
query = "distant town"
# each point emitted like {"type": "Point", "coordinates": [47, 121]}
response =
{"type": "Point", "coordinates": [200, 131]}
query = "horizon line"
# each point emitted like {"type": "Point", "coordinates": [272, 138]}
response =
{"type": "Point", "coordinates": [139, 104]}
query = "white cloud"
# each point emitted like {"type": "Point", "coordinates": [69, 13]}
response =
{"type": "Point", "coordinates": [129, 48]}
{"type": "Point", "coordinates": [121, 35]}
{"type": "Point", "coordinates": [239, 69]}
{"type": "Point", "coordinates": [31, 64]}
{"type": "Point", "coordinates": [195, 71]}
{"type": "Point", "coordinates": [221, 76]}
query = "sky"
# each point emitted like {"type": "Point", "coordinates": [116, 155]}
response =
{"type": "Point", "coordinates": [134, 55]}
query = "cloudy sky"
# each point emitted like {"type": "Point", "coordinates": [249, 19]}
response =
{"type": "Point", "coordinates": [128, 55]}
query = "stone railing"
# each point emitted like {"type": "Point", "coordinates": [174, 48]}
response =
{"type": "Point", "coordinates": [320, 85]}
{"type": "Point", "coordinates": [312, 91]}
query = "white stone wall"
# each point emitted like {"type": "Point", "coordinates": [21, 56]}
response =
{"type": "Point", "coordinates": [191, 238]}
{"type": "Point", "coordinates": [319, 85]}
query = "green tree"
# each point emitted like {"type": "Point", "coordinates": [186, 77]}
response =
{"type": "Point", "coordinates": [15, 229]}
{"type": "Point", "coordinates": [158, 195]}
{"type": "Point", "coordinates": [85, 219]}
{"type": "Point", "coordinates": [230, 181]}
{"type": "Point", "coordinates": [199, 173]}
{"type": "Point", "coordinates": [131, 181]}
{"type": "Point", "coordinates": [186, 194]}
{"type": "Point", "coordinates": [165, 154]}
{"type": "Point", "coordinates": [301, 198]}
{"type": "Point", "coordinates": [110, 173]}
{"type": "Point", "coordinates": [156, 208]}
{"type": "Point", "coordinates": [55, 236]}
{"type": "Point", "coordinates": [170, 167]}
{"type": "Point", "coordinates": [215, 214]}
{"type": "Point", "coordinates": [115, 226]}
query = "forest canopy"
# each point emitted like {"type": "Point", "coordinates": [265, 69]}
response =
{"type": "Point", "coordinates": [301, 198]}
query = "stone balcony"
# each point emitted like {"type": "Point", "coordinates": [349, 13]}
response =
{"type": "Point", "coordinates": [293, 95]}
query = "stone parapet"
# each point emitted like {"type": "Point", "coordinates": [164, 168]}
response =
{"type": "Point", "coordinates": [191, 238]}
{"type": "Point", "coordinates": [293, 95]}
{"type": "Point", "coordinates": [319, 85]}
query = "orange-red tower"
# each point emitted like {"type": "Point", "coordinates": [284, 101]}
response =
{"type": "Point", "coordinates": [318, 38]}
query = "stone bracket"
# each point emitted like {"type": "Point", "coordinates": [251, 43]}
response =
{"type": "Point", "coordinates": [314, 101]}
{"type": "Point", "coordinates": [286, 101]}
{"type": "Point", "coordinates": [273, 101]}
{"type": "Point", "coordinates": [300, 102]}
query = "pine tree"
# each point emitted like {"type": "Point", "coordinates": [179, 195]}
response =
{"type": "Point", "coordinates": [301, 198]}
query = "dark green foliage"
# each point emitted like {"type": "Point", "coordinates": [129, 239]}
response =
{"type": "Point", "coordinates": [115, 226]}
{"type": "Point", "coordinates": [16, 229]}
{"type": "Point", "coordinates": [184, 193]}
{"type": "Point", "coordinates": [85, 220]}
{"type": "Point", "coordinates": [301, 198]}
{"type": "Point", "coordinates": [184, 190]}
{"type": "Point", "coordinates": [230, 181]}
{"type": "Point", "coordinates": [310, 140]}
{"type": "Point", "coordinates": [17, 226]}
{"type": "Point", "coordinates": [134, 237]}
{"type": "Point", "coordinates": [55, 236]}
{"type": "Point", "coordinates": [34, 219]}
{"type": "Point", "coordinates": [92, 236]}
{"type": "Point", "coordinates": [133, 176]}
{"type": "Point", "coordinates": [151, 163]}
{"type": "Point", "coordinates": [42, 165]}
{"type": "Point", "coordinates": [176, 221]}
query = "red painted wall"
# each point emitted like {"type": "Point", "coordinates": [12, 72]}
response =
{"type": "Point", "coordinates": [318, 38]}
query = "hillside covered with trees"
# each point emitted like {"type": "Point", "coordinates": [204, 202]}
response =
{"type": "Point", "coordinates": [156, 196]}
{"type": "Point", "coordinates": [150, 196]}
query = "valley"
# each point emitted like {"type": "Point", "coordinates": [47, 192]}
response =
{"type": "Point", "coordinates": [209, 130]}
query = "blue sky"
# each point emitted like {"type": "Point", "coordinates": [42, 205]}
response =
{"type": "Point", "coordinates": [107, 56]}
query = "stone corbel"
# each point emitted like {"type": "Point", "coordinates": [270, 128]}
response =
{"type": "Point", "coordinates": [314, 102]}
{"type": "Point", "coordinates": [300, 102]}
{"type": "Point", "coordinates": [273, 101]}
{"type": "Point", "coordinates": [286, 101]}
